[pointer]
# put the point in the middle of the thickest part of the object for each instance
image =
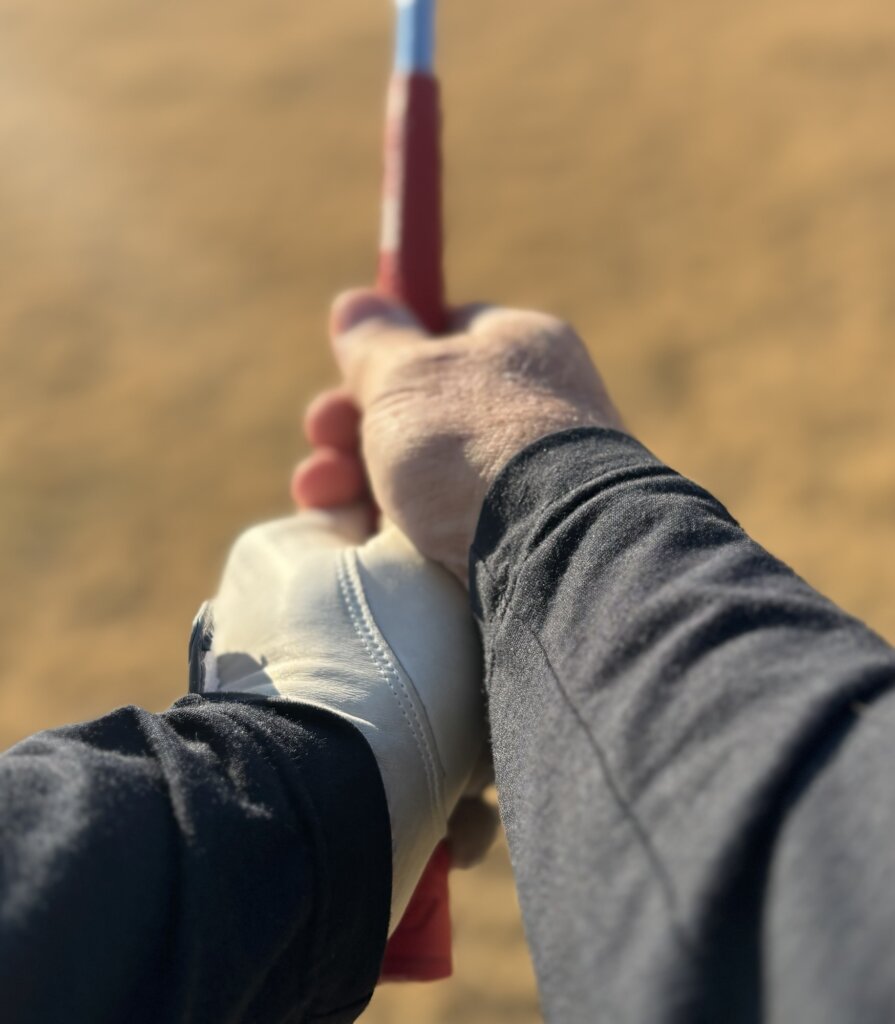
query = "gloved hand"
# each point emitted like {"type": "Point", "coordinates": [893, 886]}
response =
{"type": "Point", "coordinates": [311, 610]}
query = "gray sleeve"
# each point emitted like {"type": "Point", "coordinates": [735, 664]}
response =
{"type": "Point", "coordinates": [694, 752]}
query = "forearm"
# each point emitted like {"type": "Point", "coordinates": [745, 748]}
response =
{"type": "Point", "coordinates": [668, 704]}
{"type": "Point", "coordinates": [224, 861]}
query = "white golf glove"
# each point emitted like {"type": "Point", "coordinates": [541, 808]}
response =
{"type": "Point", "coordinates": [311, 610]}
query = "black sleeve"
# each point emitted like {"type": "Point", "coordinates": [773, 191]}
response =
{"type": "Point", "coordinates": [695, 753]}
{"type": "Point", "coordinates": [226, 861]}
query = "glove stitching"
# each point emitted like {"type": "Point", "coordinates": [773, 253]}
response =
{"type": "Point", "coordinates": [366, 630]}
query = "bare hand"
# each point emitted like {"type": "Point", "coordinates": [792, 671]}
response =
{"type": "Point", "coordinates": [440, 417]}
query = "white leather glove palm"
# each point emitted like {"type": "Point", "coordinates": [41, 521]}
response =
{"type": "Point", "coordinates": [311, 611]}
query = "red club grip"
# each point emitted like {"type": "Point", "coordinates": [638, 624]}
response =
{"type": "Point", "coordinates": [420, 947]}
{"type": "Point", "coordinates": [410, 262]}
{"type": "Point", "coordinates": [410, 269]}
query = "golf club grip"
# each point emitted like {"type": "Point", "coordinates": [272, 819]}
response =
{"type": "Point", "coordinates": [410, 255]}
{"type": "Point", "coordinates": [410, 269]}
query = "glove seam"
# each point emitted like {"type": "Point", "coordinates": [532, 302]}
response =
{"type": "Point", "coordinates": [365, 630]}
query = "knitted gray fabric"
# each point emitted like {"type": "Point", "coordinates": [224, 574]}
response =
{"type": "Point", "coordinates": [695, 753]}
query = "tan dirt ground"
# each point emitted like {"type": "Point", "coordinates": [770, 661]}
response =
{"type": "Point", "coordinates": [706, 189]}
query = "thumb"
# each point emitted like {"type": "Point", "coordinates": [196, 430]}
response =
{"type": "Point", "coordinates": [362, 324]}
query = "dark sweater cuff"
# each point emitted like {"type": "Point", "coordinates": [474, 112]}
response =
{"type": "Point", "coordinates": [335, 785]}
{"type": "Point", "coordinates": [537, 489]}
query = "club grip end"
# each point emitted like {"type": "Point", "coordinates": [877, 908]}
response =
{"type": "Point", "coordinates": [420, 947]}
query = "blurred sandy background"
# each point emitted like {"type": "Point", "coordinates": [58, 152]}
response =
{"type": "Point", "coordinates": [707, 189]}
